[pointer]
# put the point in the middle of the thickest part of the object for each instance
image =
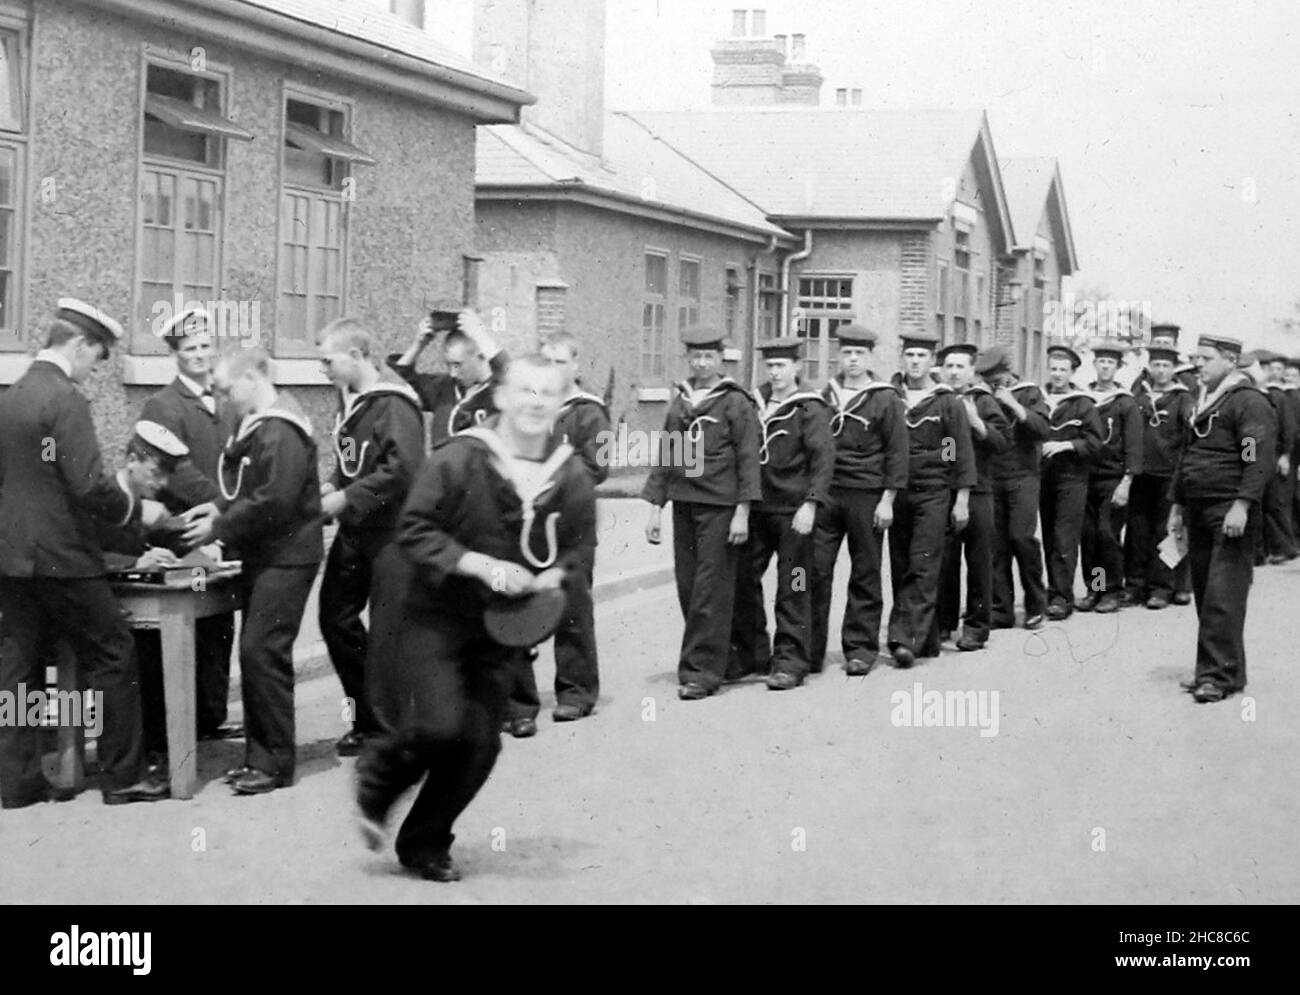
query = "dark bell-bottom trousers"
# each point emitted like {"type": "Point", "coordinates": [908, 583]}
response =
{"type": "Point", "coordinates": [1145, 573]}
{"type": "Point", "coordinates": [1061, 504]}
{"type": "Point", "coordinates": [344, 592]}
{"type": "Point", "coordinates": [1101, 541]}
{"type": "Point", "coordinates": [916, 548]}
{"type": "Point", "coordinates": [848, 513]}
{"type": "Point", "coordinates": [34, 611]}
{"type": "Point", "coordinates": [1015, 539]}
{"type": "Point", "coordinates": [1279, 495]}
{"type": "Point", "coordinates": [771, 534]}
{"type": "Point", "coordinates": [451, 737]}
{"type": "Point", "coordinates": [1222, 570]}
{"type": "Point", "coordinates": [705, 567]}
{"type": "Point", "coordinates": [976, 540]}
{"type": "Point", "coordinates": [577, 671]}
{"type": "Point", "coordinates": [274, 599]}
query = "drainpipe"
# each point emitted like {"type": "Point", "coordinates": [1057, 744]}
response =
{"type": "Point", "coordinates": [794, 257]}
{"type": "Point", "coordinates": [755, 306]}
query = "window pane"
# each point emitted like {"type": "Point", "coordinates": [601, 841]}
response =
{"type": "Point", "coordinates": [157, 262]}
{"type": "Point", "coordinates": [8, 165]}
{"type": "Point", "coordinates": [6, 294]}
{"type": "Point", "coordinates": [11, 109]}
{"type": "Point", "coordinates": [6, 237]}
{"type": "Point", "coordinates": [656, 274]}
{"type": "Point", "coordinates": [166, 196]}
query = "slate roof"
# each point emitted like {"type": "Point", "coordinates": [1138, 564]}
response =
{"type": "Point", "coordinates": [635, 166]}
{"type": "Point", "coordinates": [829, 162]}
{"type": "Point", "coordinates": [1028, 182]}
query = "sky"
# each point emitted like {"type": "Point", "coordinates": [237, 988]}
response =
{"type": "Point", "coordinates": [1177, 125]}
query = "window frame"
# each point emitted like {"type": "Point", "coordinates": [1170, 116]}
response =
{"type": "Point", "coordinates": [281, 346]}
{"type": "Point", "coordinates": [140, 343]}
{"type": "Point", "coordinates": [645, 348]}
{"type": "Point", "coordinates": [819, 368]}
{"type": "Point", "coordinates": [12, 332]}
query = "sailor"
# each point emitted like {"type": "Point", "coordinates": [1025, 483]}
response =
{"type": "Point", "coordinates": [1016, 483]}
{"type": "Point", "coordinates": [463, 396]}
{"type": "Point", "coordinates": [583, 423]}
{"type": "Point", "coordinates": [378, 443]}
{"type": "Point", "coordinates": [708, 468]}
{"type": "Point", "coordinates": [1074, 439]}
{"type": "Point", "coordinates": [871, 453]}
{"type": "Point", "coordinates": [796, 457]}
{"type": "Point", "coordinates": [1110, 481]}
{"type": "Point", "coordinates": [990, 435]}
{"type": "Point", "coordinates": [1217, 490]}
{"type": "Point", "coordinates": [499, 512]}
{"type": "Point", "coordinates": [1165, 406]}
{"type": "Point", "coordinates": [54, 500]}
{"type": "Point", "coordinates": [269, 517]}
{"type": "Point", "coordinates": [941, 473]}
{"type": "Point", "coordinates": [1279, 537]}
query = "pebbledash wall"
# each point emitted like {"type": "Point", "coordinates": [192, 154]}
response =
{"type": "Point", "coordinates": [596, 257]}
{"type": "Point", "coordinates": [409, 226]}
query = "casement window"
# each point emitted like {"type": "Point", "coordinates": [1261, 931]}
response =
{"type": "Point", "coordinates": [823, 304]}
{"type": "Point", "coordinates": [317, 187]}
{"type": "Point", "coordinates": [182, 184]}
{"type": "Point", "coordinates": [688, 293]}
{"type": "Point", "coordinates": [654, 308]}
{"type": "Point", "coordinates": [769, 306]}
{"type": "Point", "coordinates": [13, 157]}
{"type": "Point", "coordinates": [731, 303]}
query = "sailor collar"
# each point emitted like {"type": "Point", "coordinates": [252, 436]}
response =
{"type": "Point", "coordinates": [688, 393]}
{"type": "Point", "coordinates": [1173, 387]}
{"type": "Point", "coordinates": [353, 404]}
{"type": "Point", "coordinates": [929, 393]}
{"type": "Point", "coordinates": [1055, 400]}
{"type": "Point", "coordinates": [528, 487]}
{"type": "Point", "coordinates": [1104, 397]}
{"type": "Point", "coordinates": [252, 422]}
{"type": "Point", "coordinates": [581, 397]}
{"type": "Point", "coordinates": [1207, 402]}
{"type": "Point", "coordinates": [765, 399]}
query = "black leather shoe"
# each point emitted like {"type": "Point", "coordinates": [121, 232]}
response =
{"type": "Point", "coordinates": [235, 773]}
{"type": "Point", "coordinates": [569, 713]}
{"type": "Point", "coordinates": [1188, 686]}
{"type": "Point", "coordinates": [1033, 622]}
{"type": "Point", "coordinates": [1002, 623]}
{"type": "Point", "coordinates": [1128, 598]}
{"type": "Point", "coordinates": [1107, 604]}
{"type": "Point", "coordinates": [1276, 560]}
{"type": "Point", "coordinates": [441, 869]}
{"type": "Point", "coordinates": [1087, 603]}
{"type": "Point", "coordinates": [903, 657]}
{"type": "Point", "coordinates": [1182, 597]}
{"type": "Point", "coordinates": [690, 691]}
{"type": "Point", "coordinates": [1157, 602]}
{"type": "Point", "coordinates": [1209, 693]}
{"type": "Point", "coordinates": [231, 730]}
{"type": "Point", "coordinates": [1058, 612]}
{"type": "Point", "coordinates": [857, 667]}
{"type": "Point", "coordinates": [781, 681]}
{"type": "Point", "coordinates": [968, 644]}
{"type": "Point", "coordinates": [256, 782]}
{"type": "Point", "coordinates": [350, 744]}
{"type": "Point", "coordinates": [148, 790]}
{"type": "Point", "coordinates": [522, 728]}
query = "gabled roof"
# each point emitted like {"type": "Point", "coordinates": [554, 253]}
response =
{"type": "Point", "coordinates": [805, 162]}
{"type": "Point", "coordinates": [636, 173]}
{"type": "Point", "coordinates": [334, 37]}
{"type": "Point", "coordinates": [1033, 186]}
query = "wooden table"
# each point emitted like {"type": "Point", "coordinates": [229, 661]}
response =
{"type": "Point", "coordinates": [172, 609]}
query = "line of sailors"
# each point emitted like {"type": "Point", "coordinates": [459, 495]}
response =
{"type": "Point", "coordinates": [223, 461]}
{"type": "Point", "coordinates": [964, 465]}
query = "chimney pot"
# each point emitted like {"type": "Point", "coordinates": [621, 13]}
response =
{"type": "Point", "coordinates": [758, 23]}
{"type": "Point", "coordinates": [796, 48]}
{"type": "Point", "coordinates": [738, 23]}
{"type": "Point", "coordinates": [781, 45]}
{"type": "Point", "coordinates": [410, 11]}
{"type": "Point", "coordinates": [855, 97]}
{"type": "Point", "coordinates": [841, 96]}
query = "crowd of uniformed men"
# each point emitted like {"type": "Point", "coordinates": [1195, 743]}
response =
{"type": "Point", "coordinates": [954, 460]}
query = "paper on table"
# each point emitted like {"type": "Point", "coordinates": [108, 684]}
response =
{"type": "Point", "coordinates": [1172, 549]}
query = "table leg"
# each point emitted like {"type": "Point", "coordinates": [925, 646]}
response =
{"type": "Point", "coordinates": [177, 630]}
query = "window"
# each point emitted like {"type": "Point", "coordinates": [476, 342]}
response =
{"type": "Point", "coordinates": [181, 187]}
{"type": "Point", "coordinates": [769, 306]}
{"type": "Point", "coordinates": [978, 310]}
{"type": "Point", "coordinates": [652, 316]}
{"type": "Point", "coordinates": [731, 312]}
{"type": "Point", "coordinates": [13, 154]}
{"type": "Point", "coordinates": [13, 81]}
{"type": "Point", "coordinates": [942, 305]}
{"type": "Point", "coordinates": [824, 303]}
{"type": "Point", "coordinates": [1040, 272]}
{"type": "Point", "coordinates": [317, 186]}
{"type": "Point", "coordinates": [688, 293]}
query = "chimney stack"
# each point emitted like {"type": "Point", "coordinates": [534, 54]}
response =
{"type": "Point", "coordinates": [738, 23]}
{"type": "Point", "coordinates": [796, 48]}
{"type": "Point", "coordinates": [781, 45]}
{"type": "Point", "coordinates": [855, 97]}
{"type": "Point", "coordinates": [410, 11]}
